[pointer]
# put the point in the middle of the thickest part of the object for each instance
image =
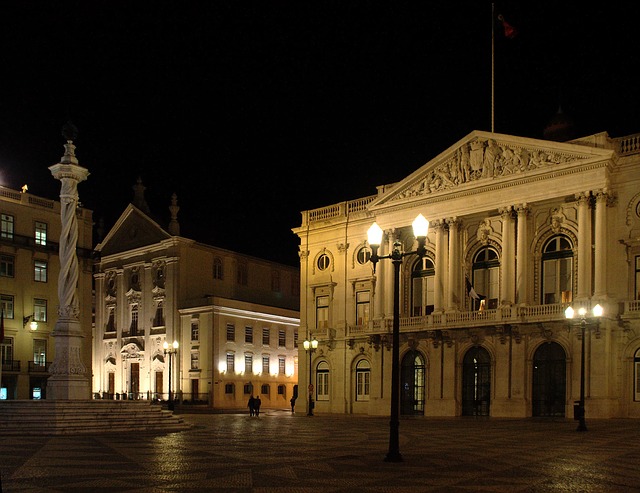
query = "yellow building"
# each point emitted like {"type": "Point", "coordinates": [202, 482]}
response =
{"type": "Point", "coordinates": [520, 229]}
{"type": "Point", "coordinates": [29, 267]}
{"type": "Point", "coordinates": [234, 318]}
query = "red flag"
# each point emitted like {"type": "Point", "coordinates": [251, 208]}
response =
{"type": "Point", "coordinates": [509, 31]}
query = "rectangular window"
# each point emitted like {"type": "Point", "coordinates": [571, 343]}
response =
{"type": "Point", "coordinates": [248, 388]}
{"type": "Point", "coordinates": [322, 312]}
{"type": "Point", "coordinates": [362, 308]}
{"type": "Point", "coordinates": [265, 365]}
{"type": "Point", "coordinates": [195, 330]}
{"type": "Point", "coordinates": [41, 233]}
{"type": "Point", "coordinates": [195, 360]}
{"type": "Point", "coordinates": [133, 329]}
{"type": "Point", "coordinates": [266, 335]}
{"type": "Point", "coordinates": [6, 305]}
{"type": "Point", "coordinates": [6, 226]}
{"type": "Point", "coordinates": [242, 274]}
{"type": "Point", "coordinates": [111, 320]}
{"type": "Point", "coordinates": [248, 335]}
{"type": "Point", "coordinates": [228, 388]}
{"type": "Point", "coordinates": [281, 365]}
{"type": "Point", "coordinates": [40, 310]}
{"type": "Point", "coordinates": [6, 347]}
{"type": "Point", "coordinates": [362, 385]}
{"type": "Point", "coordinates": [40, 352]}
{"type": "Point", "coordinates": [248, 364]}
{"type": "Point", "coordinates": [322, 386]}
{"type": "Point", "coordinates": [282, 338]}
{"type": "Point", "coordinates": [265, 389]}
{"type": "Point", "coordinates": [231, 362]}
{"type": "Point", "coordinates": [231, 332]}
{"type": "Point", "coordinates": [40, 271]}
{"type": "Point", "coordinates": [275, 281]}
{"type": "Point", "coordinates": [281, 389]}
{"type": "Point", "coordinates": [7, 266]}
{"type": "Point", "coordinates": [158, 319]}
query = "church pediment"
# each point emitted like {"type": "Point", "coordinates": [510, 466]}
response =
{"type": "Point", "coordinates": [481, 158]}
{"type": "Point", "coordinates": [133, 230]}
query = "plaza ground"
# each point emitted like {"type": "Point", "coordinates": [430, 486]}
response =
{"type": "Point", "coordinates": [281, 452]}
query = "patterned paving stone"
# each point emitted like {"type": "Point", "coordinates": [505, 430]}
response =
{"type": "Point", "coordinates": [280, 453]}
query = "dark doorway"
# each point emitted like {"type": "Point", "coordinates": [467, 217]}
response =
{"type": "Point", "coordinates": [549, 381]}
{"type": "Point", "coordinates": [412, 378]}
{"type": "Point", "coordinates": [476, 382]}
{"type": "Point", "coordinates": [135, 381]}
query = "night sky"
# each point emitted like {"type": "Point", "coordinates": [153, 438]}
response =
{"type": "Point", "coordinates": [252, 112]}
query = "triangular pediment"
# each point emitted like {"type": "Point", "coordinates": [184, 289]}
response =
{"type": "Point", "coordinates": [134, 229]}
{"type": "Point", "coordinates": [482, 159]}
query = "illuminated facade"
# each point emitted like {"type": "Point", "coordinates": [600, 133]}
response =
{"type": "Point", "coordinates": [235, 319]}
{"type": "Point", "coordinates": [29, 267]}
{"type": "Point", "coordinates": [520, 229]}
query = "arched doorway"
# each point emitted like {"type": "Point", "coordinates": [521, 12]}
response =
{"type": "Point", "coordinates": [548, 393]}
{"type": "Point", "coordinates": [412, 380]}
{"type": "Point", "coordinates": [476, 382]}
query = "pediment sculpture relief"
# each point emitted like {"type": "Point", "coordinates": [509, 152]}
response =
{"type": "Point", "coordinates": [483, 159]}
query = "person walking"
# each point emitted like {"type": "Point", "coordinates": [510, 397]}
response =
{"type": "Point", "coordinates": [256, 406]}
{"type": "Point", "coordinates": [293, 404]}
{"type": "Point", "coordinates": [252, 406]}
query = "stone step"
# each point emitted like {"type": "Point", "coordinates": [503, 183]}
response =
{"type": "Point", "coordinates": [25, 417]}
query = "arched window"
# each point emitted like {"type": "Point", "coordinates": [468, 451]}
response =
{"type": "Point", "coordinates": [557, 271]}
{"type": "Point", "coordinates": [363, 380]}
{"type": "Point", "coordinates": [218, 272]}
{"type": "Point", "coordinates": [486, 278]}
{"type": "Point", "coordinates": [322, 381]}
{"type": "Point", "coordinates": [422, 287]}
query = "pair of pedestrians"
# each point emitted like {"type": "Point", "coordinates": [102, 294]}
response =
{"type": "Point", "coordinates": [254, 405]}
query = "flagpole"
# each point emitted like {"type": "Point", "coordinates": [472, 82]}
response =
{"type": "Point", "coordinates": [492, 64]}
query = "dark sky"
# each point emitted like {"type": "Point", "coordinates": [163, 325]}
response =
{"type": "Point", "coordinates": [254, 111]}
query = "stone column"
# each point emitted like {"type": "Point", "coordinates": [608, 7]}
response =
{"type": "Point", "coordinates": [453, 300]}
{"type": "Point", "coordinates": [386, 274]}
{"type": "Point", "coordinates": [600, 250]}
{"type": "Point", "coordinates": [584, 247]}
{"type": "Point", "coordinates": [508, 263]}
{"type": "Point", "coordinates": [68, 372]}
{"type": "Point", "coordinates": [441, 265]}
{"type": "Point", "coordinates": [522, 294]}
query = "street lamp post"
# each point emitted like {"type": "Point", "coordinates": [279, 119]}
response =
{"type": "Point", "coordinates": [420, 230]}
{"type": "Point", "coordinates": [310, 346]}
{"type": "Point", "coordinates": [569, 314]}
{"type": "Point", "coordinates": [170, 350]}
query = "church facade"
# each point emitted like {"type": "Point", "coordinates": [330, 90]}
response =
{"type": "Point", "coordinates": [520, 230]}
{"type": "Point", "coordinates": [181, 321]}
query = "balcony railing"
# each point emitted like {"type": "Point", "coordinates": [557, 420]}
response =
{"type": "Point", "coordinates": [11, 365]}
{"type": "Point", "coordinates": [461, 320]}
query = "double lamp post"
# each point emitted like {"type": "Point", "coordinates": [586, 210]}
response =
{"type": "Point", "coordinates": [420, 230]}
{"type": "Point", "coordinates": [170, 351]}
{"type": "Point", "coordinates": [310, 346]}
{"type": "Point", "coordinates": [569, 313]}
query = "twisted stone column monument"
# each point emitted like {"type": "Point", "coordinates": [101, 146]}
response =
{"type": "Point", "coordinates": [68, 378]}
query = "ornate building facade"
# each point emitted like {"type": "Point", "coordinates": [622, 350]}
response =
{"type": "Point", "coordinates": [520, 229]}
{"type": "Point", "coordinates": [234, 318]}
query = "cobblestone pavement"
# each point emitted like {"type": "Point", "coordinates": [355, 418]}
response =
{"type": "Point", "coordinates": [279, 452]}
